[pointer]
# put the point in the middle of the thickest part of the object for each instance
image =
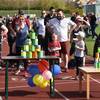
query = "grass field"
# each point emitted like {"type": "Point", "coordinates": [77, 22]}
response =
{"type": "Point", "coordinates": [90, 42]}
{"type": "Point", "coordinates": [13, 12]}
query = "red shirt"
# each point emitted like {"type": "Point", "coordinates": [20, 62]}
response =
{"type": "Point", "coordinates": [54, 48]}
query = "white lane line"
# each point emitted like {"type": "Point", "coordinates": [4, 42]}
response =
{"type": "Point", "coordinates": [1, 98]}
{"type": "Point", "coordinates": [55, 83]}
{"type": "Point", "coordinates": [65, 98]}
{"type": "Point", "coordinates": [60, 83]}
{"type": "Point", "coordinates": [59, 93]}
{"type": "Point", "coordinates": [95, 80]}
{"type": "Point", "coordinates": [15, 87]}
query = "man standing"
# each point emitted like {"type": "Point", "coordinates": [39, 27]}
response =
{"type": "Point", "coordinates": [49, 16]}
{"type": "Point", "coordinates": [62, 27]}
{"type": "Point", "coordinates": [41, 29]}
{"type": "Point", "coordinates": [3, 35]}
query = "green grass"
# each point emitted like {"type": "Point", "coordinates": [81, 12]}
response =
{"type": "Point", "coordinates": [90, 42]}
{"type": "Point", "coordinates": [90, 45]}
{"type": "Point", "coordinates": [13, 12]}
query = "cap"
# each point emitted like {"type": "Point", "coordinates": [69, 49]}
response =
{"type": "Point", "coordinates": [80, 33]}
{"type": "Point", "coordinates": [79, 18]}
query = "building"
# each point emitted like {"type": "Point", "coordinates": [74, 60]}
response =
{"type": "Point", "coordinates": [92, 6]}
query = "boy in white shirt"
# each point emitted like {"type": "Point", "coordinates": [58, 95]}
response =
{"type": "Point", "coordinates": [79, 51]}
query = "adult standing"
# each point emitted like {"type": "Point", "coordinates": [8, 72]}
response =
{"type": "Point", "coordinates": [62, 27]}
{"type": "Point", "coordinates": [41, 29]}
{"type": "Point", "coordinates": [3, 29]}
{"type": "Point", "coordinates": [51, 14]}
{"type": "Point", "coordinates": [21, 37]}
{"type": "Point", "coordinates": [3, 34]}
{"type": "Point", "coordinates": [11, 36]}
{"type": "Point", "coordinates": [93, 25]}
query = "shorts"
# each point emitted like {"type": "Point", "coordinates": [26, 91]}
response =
{"type": "Point", "coordinates": [65, 47]}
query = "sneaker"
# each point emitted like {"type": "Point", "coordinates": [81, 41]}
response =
{"type": "Point", "coordinates": [66, 70]}
{"type": "Point", "coordinates": [77, 77]}
{"type": "Point", "coordinates": [21, 67]}
{"type": "Point", "coordinates": [0, 68]}
{"type": "Point", "coordinates": [1, 98]}
{"type": "Point", "coordinates": [17, 72]}
{"type": "Point", "coordinates": [83, 78]}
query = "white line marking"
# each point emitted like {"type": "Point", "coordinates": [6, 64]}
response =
{"type": "Point", "coordinates": [28, 86]}
{"type": "Point", "coordinates": [1, 98]}
{"type": "Point", "coordinates": [15, 87]}
{"type": "Point", "coordinates": [95, 80]}
{"type": "Point", "coordinates": [65, 98]}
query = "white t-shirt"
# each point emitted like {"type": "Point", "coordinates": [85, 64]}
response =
{"type": "Point", "coordinates": [61, 28]}
{"type": "Point", "coordinates": [79, 44]}
{"type": "Point", "coordinates": [41, 26]}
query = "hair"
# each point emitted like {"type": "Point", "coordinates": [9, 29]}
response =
{"type": "Point", "coordinates": [51, 8]}
{"type": "Point", "coordinates": [1, 17]}
{"type": "Point", "coordinates": [20, 12]}
{"type": "Point", "coordinates": [58, 10]}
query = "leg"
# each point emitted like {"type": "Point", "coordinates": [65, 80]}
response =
{"type": "Point", "coordinates": [66, 61]}
{"type": "Point", "coordinates": [65, 48]}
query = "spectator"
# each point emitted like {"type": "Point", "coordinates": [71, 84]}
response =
{"type": "Point", "coordinates": [62, 27]}
{"type": "Point", "coordinates": [50, 15]}
{"type": "Point", "coordinates": [54, 46]}
{"type": "Point", "coordinates": [93, 25]}
{"type": "Point", "coordinates": [11, 36]}
{"type": "Point", "coordinates": [3, 29]}
{"type": "Point", "coordinates": [21, 36]}
{"type": "Point", "coordinates": [41, 29]}
{"type": "Point", "coordinates": [79, 51]}
{"type": "Point", "coordinates": [81, 25]}
{"type": "Point", "coordinates": [3, 35]}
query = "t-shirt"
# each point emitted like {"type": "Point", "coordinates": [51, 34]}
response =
{"type": "Point", "coordinates": [61, 28]}
{"type": "Point", "coordinates": [79, 44]}
{"type": "Point", "coordinates": [52, 46]}
{"type": "Point", "coordinates": [41, 27]}
{"type": "Point", "coordinates": [21, 36]}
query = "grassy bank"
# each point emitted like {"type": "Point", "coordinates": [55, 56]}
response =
{"type": "Point", "coordinates": [13, 12]}
{"type": "Point", "coordinates": [90, 42]}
